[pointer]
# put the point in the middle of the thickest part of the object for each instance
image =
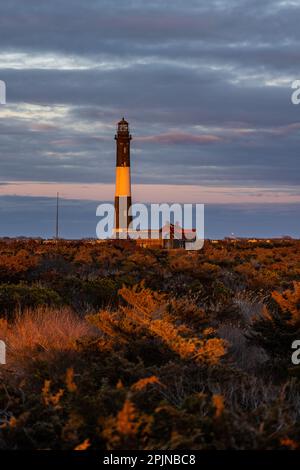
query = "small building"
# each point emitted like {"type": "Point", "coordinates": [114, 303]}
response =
{"type": "Point", "coordinates": [168, 237]}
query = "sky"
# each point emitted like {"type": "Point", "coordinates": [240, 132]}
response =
{"type": "Point", "coordinates": [205, 86]}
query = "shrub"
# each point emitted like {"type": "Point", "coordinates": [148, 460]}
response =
{"type": "Point", "coordinates": [278, 326]}
{"type": "Point", "coordinates": [17, 297]}
{"type": "Point", "coordinates": [163, 364]}
{"type": "Point", "coordinates": [146, 313]}
{"type": "Point", "coordinates": [86, 294]}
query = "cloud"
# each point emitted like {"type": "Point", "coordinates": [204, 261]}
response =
{"type": "Point", "coordinates": [181, 138]}
{"type": "Point", "coordinates": [205, 86]}
{"type": "Point", "coordinates": [156, 193]}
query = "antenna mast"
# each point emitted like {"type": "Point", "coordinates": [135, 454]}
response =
{"type": "Point", "coordinates": [56, 231]}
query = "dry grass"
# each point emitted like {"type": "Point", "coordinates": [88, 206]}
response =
{"type": "Point", "coordinates": [42, 330]}
{"type": "Point", "coordinates": [250, 305]}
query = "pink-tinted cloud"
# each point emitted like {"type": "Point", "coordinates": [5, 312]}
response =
{"type": "Point", "coordinates": [180, 138]}
{"type": "Point", "coordinates": [156, 193]}
{"type": "Point", "coordinates": [42, 127]}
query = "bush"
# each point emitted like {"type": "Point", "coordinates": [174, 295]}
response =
{"type": "Point", "coordinates": [17, 297]}
{"type": "Point", "coordinates": [161, 363]}
{"type": "Point", "coordinates": [278, 326]}
{"type": "Point", "coordinates": [85, 295]}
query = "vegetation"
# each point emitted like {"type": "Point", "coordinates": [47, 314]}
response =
{"type": "Point", "coordinates": [112, 346]}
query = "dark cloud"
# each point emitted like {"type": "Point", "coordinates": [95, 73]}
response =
{"type": "Point", "coordinates": [137, 26]}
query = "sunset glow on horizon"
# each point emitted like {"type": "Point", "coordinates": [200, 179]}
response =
{"type": "Point", "coordinates": [156, 193]}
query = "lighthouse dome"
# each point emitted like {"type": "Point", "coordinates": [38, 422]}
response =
{"type": "Point", "coordinates": [123, 125]}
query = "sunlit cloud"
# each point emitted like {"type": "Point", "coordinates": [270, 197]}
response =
{"type": "Point", "coordinates": [156, 193]}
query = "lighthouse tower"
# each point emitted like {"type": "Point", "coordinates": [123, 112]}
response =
{"type": "Point", "coordinates": [123, 183]}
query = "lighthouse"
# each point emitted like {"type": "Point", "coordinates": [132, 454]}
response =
{"type": "Point", "coordinates": [123, 182]}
